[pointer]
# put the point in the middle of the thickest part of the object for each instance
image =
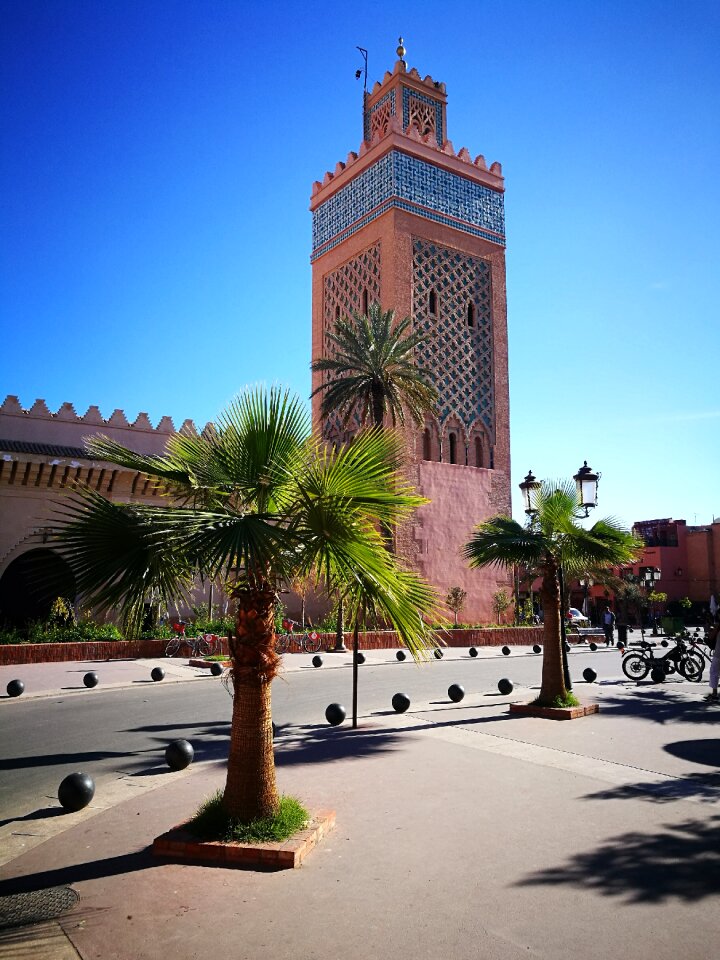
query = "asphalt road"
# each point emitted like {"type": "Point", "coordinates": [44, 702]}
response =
{"type": "Point", "coordinates": [111, 733]}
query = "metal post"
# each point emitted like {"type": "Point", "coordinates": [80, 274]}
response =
{"type": "Point", "coordinates": [355, 669]}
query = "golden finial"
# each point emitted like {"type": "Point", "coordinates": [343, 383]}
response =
{"type": "Point", "coordinates": [401, 51]}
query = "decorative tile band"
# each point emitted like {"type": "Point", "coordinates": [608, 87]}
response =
{"type": "Point", "coordinates": [422, 188]}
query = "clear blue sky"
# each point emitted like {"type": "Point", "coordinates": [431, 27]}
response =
{"type": "Point", "coordinates": [155, 172]}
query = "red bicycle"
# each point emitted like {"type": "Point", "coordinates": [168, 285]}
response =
{"type": "Point", "coordinates": [308, 641]}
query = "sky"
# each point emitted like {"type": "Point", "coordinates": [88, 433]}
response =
{"type": "Point", "coordinates": [156, 163]}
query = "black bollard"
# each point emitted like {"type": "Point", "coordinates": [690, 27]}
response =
{"type": "Point", "coordinates": [318, 661]}
{"type": "Point", "coordinates": [589, 675]}
{"type": "Point", "coordinates": [400, 655]}
{"type": "Point", "coordinates": [537, 648]}
{"type": "Point", "coordinates": [335, 714]}
{"type": "Point", "coordinates": [359, 657]}
{"type": "Point", "coordinates": [506, 651]}
{"type": "Point", "coordinates": [216, 669]}
{"type": "Point", "coordinates": [15, 688]}
{"type": "Point", "coordinates": [456, 692]}
{"type": "Point", "coordinates": [90, 679]}
{"type": "Point", "coordinates": [158, 674]}
{"type": "Point", "coordinates": [593, 646]}
{"type": "Point", "coordinates": [400, 702]}
{"type": "Point", "coordinates": [473, 651]}
{"type": "Point", "coordinates": [76, 791]}
{"type": "Point", "coordinates": [179, 754]}
{"type": "Point", "coordinates": [505, 686]}
{"type": "Point", "coordinates": [438, 654]}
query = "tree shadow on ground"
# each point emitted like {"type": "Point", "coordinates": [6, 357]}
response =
{"type": "Point", "coordinates": [301, 745]}
{"type": "Point", "coordinates": [91, 870]}
{"type": "Point", "coordinates": [677, 861]}
{"type": "Point", "coordinates": [661, 705]}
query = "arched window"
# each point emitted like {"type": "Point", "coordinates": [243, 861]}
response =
{"type": "Point", "coordinates": [426, 444]}
{"type": "Point", "coordinates": [432, 302]}
{"type": "Point", "coordinates": [453, 447]}
{"type": "Point", "coordinates": [365, 304]}
{"type": "Point", "coordinates": [478, 452]}
{"type": "Point", "coordinates": [470, 314]}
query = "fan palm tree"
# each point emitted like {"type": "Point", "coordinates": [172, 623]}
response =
{"type": "Point", "coordinates": [552, 542]}
{"type": "Point", "coordinates": [374, 370]}
{"type": "Point", "coordinates": [258, 501]}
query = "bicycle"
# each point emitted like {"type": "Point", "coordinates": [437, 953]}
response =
{"type": "Point", "coordinates": [309, 641]}
{"type": "Point", "coordinates": [197, 646]}
{"type": "Point", "coordinates": [636, 665]}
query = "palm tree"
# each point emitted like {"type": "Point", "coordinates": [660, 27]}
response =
{"type": "Point", "coordinates": [258, 501]}
{"type": "Point", "coordinates": [552, 543]}
{"type": "Point", "coordinates": [374, 371]}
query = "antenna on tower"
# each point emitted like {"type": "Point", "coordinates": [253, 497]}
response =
{"type": "Point", "coordinates": [358, 74]}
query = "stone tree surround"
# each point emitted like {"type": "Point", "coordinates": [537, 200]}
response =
{"type": "Point", "coordinates": [141, 649]}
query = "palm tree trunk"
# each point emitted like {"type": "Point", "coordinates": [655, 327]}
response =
{"type": "Point", "coordinates": [378, 406]}
{"type": "Point", "coordinates": [250, 788]}
{"type": "Point", "coordinates": [553, 682]}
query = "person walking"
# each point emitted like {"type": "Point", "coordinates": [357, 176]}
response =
{"type": "Point", "coordinates": [712, 642]}
{"type": "Point", "coordinates": [608, 623]}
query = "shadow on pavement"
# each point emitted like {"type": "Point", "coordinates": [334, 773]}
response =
{"type": "Point", "coordinates": [678, 861]}
{"type": "Point", "coordinates": [698, 786]}
{"type": "Point", "coordinates": [92, 870]}
{"type": "Point", "coordinates": [696, 751]}
{"type": "Point", "coordinates": [661, 706]}
{"type": "Point", "coordinates": [44, 813]}
{"type": "Point", "coordinates": [322, 744]}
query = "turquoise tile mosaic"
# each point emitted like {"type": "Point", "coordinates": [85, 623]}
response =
{"type": "Point", "coordinates": [411, 184]}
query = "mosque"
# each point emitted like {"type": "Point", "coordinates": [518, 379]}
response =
{"type": "Point", "coordinates": [407, 221]}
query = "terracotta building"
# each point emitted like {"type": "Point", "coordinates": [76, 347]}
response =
{"type": "Point", "coordinates": [413, 224]}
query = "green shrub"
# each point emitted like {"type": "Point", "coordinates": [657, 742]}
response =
{"type": "Point", "coordinates": [212, 823]}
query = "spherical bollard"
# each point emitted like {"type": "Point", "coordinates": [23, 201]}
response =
{"type": "Point", "coordinates": [179, 754]}
{"type": "Point", "coordinates": [505, 686]}
{"type": "Point", "coordinates": [335, 714]}
{"type": "Point", "coordinates": [438, 654]}
{"type": "Point", "coordinates": [473, 651]}
{"type": "Point", "coordinates": [506, 651]}
{"type": "Point", "coordinates": [318, 661]}
{"type": "Point", "coordinates": [400, 655]}
{"type": "Point", "coordinates": [216, 669]}
{"type": "Point", "coordinates": [76, 791]}
{"type": "Point", "coordinates": [456, 692]}
{"type": "Point", "coordinates": [359, 657]}
{"type": "Point", "coordinates": [537, 648]}
{"type": "Point", "coordinates": [593, 646]}
{"type": "Point", "coordinates": [620, 645]}
{"type": "Point", "coordinates": [567, 647]}
{"type": "Point", "coordinates": [90, 679]}
{"type": "Point", "coordinates": [589, 675]}
{"type": "Point", "coordinates": [15, 688]}
{"type": "Point", "coordinates": [657, 674]}
{"type": "Point", "coordinates": [400, 702]}
{"type": "Point", "coordinates": [158, 674]}
{"type": "Point", "coordinates": [664, 643]}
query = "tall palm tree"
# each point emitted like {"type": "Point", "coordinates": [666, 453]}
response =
{"type": "Point", "coordinates": [257, 501]}
{"type": "Point", "coordinates": [552, 542]}
{"type": "Point", "coordinates": [374, 370]}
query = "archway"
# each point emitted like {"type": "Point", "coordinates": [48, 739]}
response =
{"type": "Point", "coordinates": [30, 584]}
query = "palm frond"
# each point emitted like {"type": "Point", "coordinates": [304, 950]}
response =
{"type": "Point", "coordinates": [503, 541]}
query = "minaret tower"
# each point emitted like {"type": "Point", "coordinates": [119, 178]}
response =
{"type": "Point", "coordinates": [419, 227]}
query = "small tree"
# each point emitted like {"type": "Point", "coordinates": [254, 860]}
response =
{"type": "Point", "coordinates": [456, 600]}
{"type": "Point", "coordinates": [500, 601]}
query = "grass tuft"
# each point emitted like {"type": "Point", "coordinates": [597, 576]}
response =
{"type": "Point", "coordinates": [569, 700]}
{"type": "Point", "coordinates": [212, 823]}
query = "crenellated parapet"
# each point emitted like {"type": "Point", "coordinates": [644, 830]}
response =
{"type": "Point", "coordinates": [66, 428]}
{"type": "Point", "coordinates": [406, 162]}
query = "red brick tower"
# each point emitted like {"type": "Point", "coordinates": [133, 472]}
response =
{"type": "Point", "coordinates": [419, 227]}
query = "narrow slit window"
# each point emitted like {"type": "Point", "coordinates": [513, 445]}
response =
{"type": "Point", "coordinates": [453, 448]}
{"type": "Point", "coordinates": [478, 452]}
{"type": "Point", "coordinates": [337, 313]}
{"type": "Point", "coordinates": [432, 303]}
{"type": "Point", "coordinates": [471, 314]}
{"type": "Point", "coordinates": [365, 304]}
{"type": "Point", "coordinates": [426, 444]}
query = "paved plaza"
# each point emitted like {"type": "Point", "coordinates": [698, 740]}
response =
{"type": "Point", "coordinates": [461, 832]}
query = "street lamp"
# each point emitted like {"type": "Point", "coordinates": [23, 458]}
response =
{"type": "Point", "coordinates": [586, 484]}
{"type": "Point", "coordinates": [528, 488]}
{"type": "Point", "coordinates": [650, 577]}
